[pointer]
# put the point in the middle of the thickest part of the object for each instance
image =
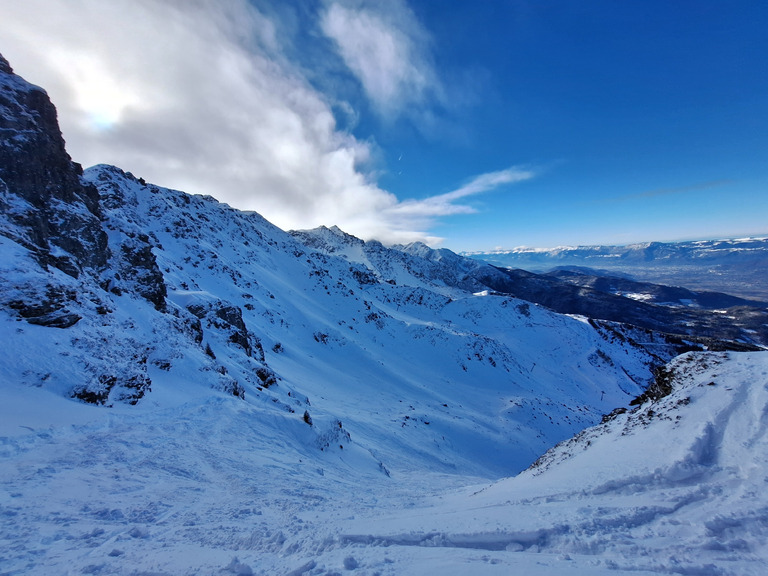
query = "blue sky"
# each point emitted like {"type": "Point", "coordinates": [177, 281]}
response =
{"type": "Point", "coordinates": [470, 125]}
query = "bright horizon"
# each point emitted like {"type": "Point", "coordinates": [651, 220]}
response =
{"type": "Point", "coordinates": [470, 126]}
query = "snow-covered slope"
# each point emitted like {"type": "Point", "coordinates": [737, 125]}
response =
{"type": "Point", "coordinates": [675, 486]}
{"type": "Point", "coordinates": [188, 389]}
{"type": "Point", "coordinates": [738, 323]}
{"type": "Point", "coordinates": [151, 293]}
{"type": "Point", "coordinates": [223, 299]}
{"type": "Point", "coordinates": [206, 486]}
{"type": "Point", "coordinates": [413, 265]}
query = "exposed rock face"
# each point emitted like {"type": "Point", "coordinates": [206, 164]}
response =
{"type": "Point", "coordinates": [140, 267]}
{"type": "Point", "coordinates": [54, 215]}
{"type": "Point", "coordinates": [228, 319]}
{"type": "Point", "coordinates": [48, 309]}
{"type": "Point", "coordinates": [128, 387]}
{"type": "Point", "coordinates": [132, 260]}
{"type": "Point", "coordinates": [50, 209]}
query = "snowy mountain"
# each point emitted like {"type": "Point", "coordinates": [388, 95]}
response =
{"type": "Point", "coordinates": [735, 266]}
{"type": "Point", "coordinates": [178, 288]}
{"type": "Point", "coordinates": [704, 317]}
{"type": "Point", "coordinates": [190, 390]}
{"type": "Point", "coordinates": [693, 315]}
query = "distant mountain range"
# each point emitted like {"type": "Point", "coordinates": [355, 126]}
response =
{"type": "Point", "coordinates": [735, 266]}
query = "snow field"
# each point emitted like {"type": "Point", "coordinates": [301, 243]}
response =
{"type": "Point", "coordinates": [622, 495]}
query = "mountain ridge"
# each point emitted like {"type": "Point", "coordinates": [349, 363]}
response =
{"type": "Point", "coordinates": [192, 289]}
{"type": "Point", "coordinates": [687, 314]}
{"type": "Point", "coordinates": [735, 266]}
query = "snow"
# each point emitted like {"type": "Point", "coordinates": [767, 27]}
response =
{"type": "Point", "coordinates": [621, 497]}
{"type": "Point", "coordinates": [425, 401]}
{"type": "Point", "coordinates": [208, 486]}
{"type": "Point", "coordinates": [640, 297]}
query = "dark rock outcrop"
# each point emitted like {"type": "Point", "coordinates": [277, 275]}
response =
{"type": "Point", "coordinates": [47, 309]}
{"type": "Point", "coordinates": [52, 211]}
{"type": "Point", "coordinates": [138, 271]}
{"type": "Point", "coordinates": [127, 386]}
{"type": "Point", "coordinates": [228, 319]}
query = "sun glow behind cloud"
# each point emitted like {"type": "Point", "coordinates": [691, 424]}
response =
{"type": "Point", "coordinates": [200, 96]}
{"type": "Point", "coordinates": [99, 95]}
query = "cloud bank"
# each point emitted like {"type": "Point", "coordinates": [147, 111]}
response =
{"type": "Point", "coordinates": [200, 96]}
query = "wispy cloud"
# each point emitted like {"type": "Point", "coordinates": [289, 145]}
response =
{"type": "Point", "coordinates": [388, 51]}
{"type": "Point", "coordinates": [413, 218]}
{"type": "Point", "coordinates": [490, 181]}
{"type": "Point", "coordinates": [445, 204]}
{"type": "Point", "coordinates": [200, 96]}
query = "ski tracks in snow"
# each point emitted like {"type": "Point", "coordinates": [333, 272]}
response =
{"type": "Point", "coordinates": [691, 507]}
{"type": "Point", "coordinates": [199, 489]}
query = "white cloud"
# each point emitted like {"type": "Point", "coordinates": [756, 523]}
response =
{"type": "Point", "coordinates": [198, 96]}
{"type": "Point", "coordinates": [486, 182]}
{"type": "Point", "coordinates": [386, 49]}
{"type": "Point", "coordinates": [422, 214]}
{"type": "Point", "coordinates": [193, 95]}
